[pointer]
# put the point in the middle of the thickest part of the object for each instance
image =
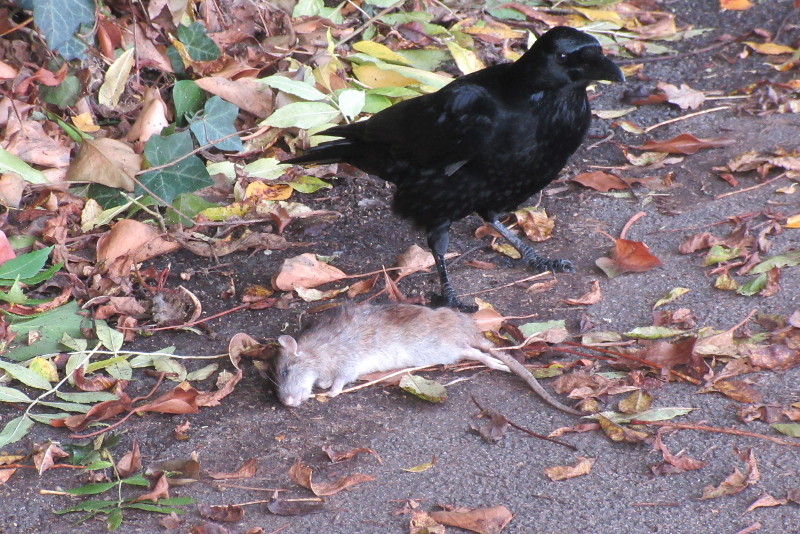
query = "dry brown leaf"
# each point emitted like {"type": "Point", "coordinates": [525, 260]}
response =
{"type": "Point", "coordinates": [152, 119]}
{"type": "Point", "coordinates": [593, 296]}
{"type": "Point", "coordinates": [305, 271]}
{"type": "Point", "coordinates": [362, 286]}
{"type": "Point", "coordinates": [563, 472]}
{"type": "Point", "coordinates": [739, 390]}
{"type": "Point", "coordinates": [483, 520]}
{"type": "Point", "coordinates": [159, 491]}
{"type": "Point", "coordinates": [685, 97]}
{"type": "Point", "coordinates": [422, 523]}
{"type": "Point", "coordinates": [105, 161]}
{"type": "Point", "coordinates": [230, 513]}
{"type": "Point", "coordinates": [130, 462]}
{"type": "Point", "coordinates": [766, 500]}
{"type": "Point", "coordinates": [536, 224]}
{"type": "Point", "coordinates": [682, 463]}
{"type": "Point", "coordinates": [414, 259]}
{"type": "Point", "coordinates": [685, 144]}
{"type": "Point", "coordinates": [300, 474]}
{"type": "Point", "coordinates": [45, 457]}
{"type": "Point", "coordinates": [129, 242]}
{"type": "Point", "coordinates": [12, 185]}
{"type": "Point", "coordinates": [246, 470]}
{"type": "Point", "coordinates": [180, 400]}
{"type": "Point", "coordinates": [618, 433]}
{"type": "Point", "coordinates": [342, 456]}
{"type": "Point", "coordinates": [488, 319]}
{"type": "Point", "coordinates": [247, 93]}
{"type": "Point", "coordinates": [600, 181]}
{"type": "Point", "coordinates": [735, 5]}
{"type": "Point", "coordinates": [770, 49]}
{"type": "Point", "coordinates": [225, 388]}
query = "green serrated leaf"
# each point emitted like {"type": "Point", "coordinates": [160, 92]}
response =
{"type": "Point", "coordinates": [86, 397]}
{"type": "Point", "coordinates": [63, 95]}
{"type": "Point", "coordinates": [293, 87]}
{"type": "Point", "coordinates": [24, 266]}
{"type": "Point", "coordinates": [653, 414]}
{"type": "Point", "coordinates": [66, 406]}
{"type": "Point", "coordinates": [91, 489]}
{"type": "Point", "coordinates": [184, 176]}
{"type": "Point", "coordinates": [136, 480]}
{"type": "Point", "coordinates": [15, 430]}
{"type": "Point", "coordinates": [153, 508]}
{"type": "Point", "coordinates": [46, 418]}
{"type": "Point", "coordinates": [216, 123]}
{"type": "Point", "coordinates": [753, 286]}
{"type": "Point", "coordinates": [12, 395]}
{"type": "Point", "coordinates": [88, 506]}
{"type": "Point", "coordinates": [174, 369]}
{"type": "Point", "coordinates": [98, 465]}
{"type": "Point", "coordinates": [308, 184]}
{"type": "Point", "coordinates": [303, 115]}
{"type": "Point", "coordinates": [789, 429]}
{"type": "Point", "coordinates": [114, 519]}
{"type": "Point", "coordinates": [188, 98]}
{"type": "Point", "coordinates": [109, 337]}
{"type": "Point", "coordinates": [24, 375]}
{"type": "Point", "coordinates": [198, 45]}
{"type": "Point", "coordinates": [202, 373]}
{"type": "Point", "coordinates": [428, 390]}
{"type": "Point", "coordinates": [780, 261]}
{"type": "Point", "coordinates": [529, 329]}
{"type": "Point", "coordinates": [653, 332]}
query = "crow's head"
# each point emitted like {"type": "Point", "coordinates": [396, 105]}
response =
{"type": "Point", "coordinates": [565, 55]}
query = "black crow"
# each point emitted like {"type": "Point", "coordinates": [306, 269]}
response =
{"type": "Point", "coordinates": [482, 144]}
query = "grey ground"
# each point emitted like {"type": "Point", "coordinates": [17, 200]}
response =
{"type": "Point", "coordinates": [619, 495]}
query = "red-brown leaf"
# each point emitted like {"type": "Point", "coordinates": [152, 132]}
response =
{"type": "Point", "coordinates": [684, 144]}
{"type": "Point", "coordinates": [600, 181]}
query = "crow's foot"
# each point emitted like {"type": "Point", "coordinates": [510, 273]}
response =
{"type": "Point", "coordinates": [451, 301]}
{"type": "Point", "coordinates": [540, 264]}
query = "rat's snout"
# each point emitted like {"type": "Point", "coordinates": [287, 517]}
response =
{"type": "Point", "coordinates": [291, 401]}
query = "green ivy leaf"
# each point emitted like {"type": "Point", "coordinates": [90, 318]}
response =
{"type": "Point", "coordinates": [215, 123]}
{"type": "Point", "coordinates": [185, 176]}
{"type": "Point", "coordinates": [188, 204]}
{"type": "Point", "coordinates": [188, 99]}
{"type": "Point", "coordinates": [198, 45]}
{"type": "Point", "coordinates": [58, 20]}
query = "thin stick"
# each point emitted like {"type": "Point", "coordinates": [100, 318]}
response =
{"type": "Point", "coordinates": [746, 189]}
{"type": "Point", "coordinates": [716, 429]}
{"type": "Point", "coordinates": [523, 429]}
{"type": "Point", "coordinates": [630, 223]}
{"type": "Point", "coordinates": [684, 117]}
{"type": "Point", "coordinates": [527, 279]}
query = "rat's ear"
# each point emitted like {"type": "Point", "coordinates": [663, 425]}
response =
{"type": "Point", "coordinates": [288, 343]}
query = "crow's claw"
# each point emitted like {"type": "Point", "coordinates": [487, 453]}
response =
{"type": "Point", "coordinates": [451, 301]}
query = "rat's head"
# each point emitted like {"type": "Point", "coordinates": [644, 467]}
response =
{"type": "Point", "coordinates": [293, 373]}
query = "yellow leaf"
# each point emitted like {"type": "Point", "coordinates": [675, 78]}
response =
{"type": "Point", "coordinates": [466, 60]}
{"type": "Point", "coordinates": [421, 467]}
{"type": "Point", "coordinates": [601, 15]}
{"type": "Point", "coordinates": [489, 28]}
{"type": "Point", "coordinates": [380, 51]}
{"type": "Point", "coordinates": [793, 221]}
{"type": "Point", "coordinates": [770, 49]}
{"type": "Point", "coordinates": [115, 80]}
{"type": "Point", "coordinates": [375, 77]}
{"type": "Point", "coordinates": [85, 122]}
{"type": "Point", "coordinates": [223, 213]}
{"type": "Point", "coordinates": [735, 5]}
{"type": "Point", "coordinates": [264, 191]}
{"type": "Point", "coordinates": [44, 368]}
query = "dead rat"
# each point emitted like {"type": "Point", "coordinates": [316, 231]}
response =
{"type": "Point", "coordinates": [353, 340]}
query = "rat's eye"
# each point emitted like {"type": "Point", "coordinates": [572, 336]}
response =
{"type": "Point", "coordinates": [284, 373]}
{"type": "Point", "coordinates": [561, 58]}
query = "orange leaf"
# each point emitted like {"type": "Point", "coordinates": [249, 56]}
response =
{"type": "Point", "coordinates": [181, 400]}
{"type": "Point", "coordinates": [684, 144]}
{"type": "Point", "coordinates": [160, 490]}
{"type": "Point", "coordinates": [735, 5]}
{"type": "Point", "coordinates": [593, 296]}
{"type": "Point", "coordinates": [628, 256]}
{"type": "Point", "coordinates": [600, 181]}
{"type": "Point", "coordinates": [563, 472]}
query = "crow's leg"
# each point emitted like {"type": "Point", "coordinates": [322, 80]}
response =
{"type": "Point", "coordinates": [438, 239]}
{"type": "Point", "coordinates": [528, 255]}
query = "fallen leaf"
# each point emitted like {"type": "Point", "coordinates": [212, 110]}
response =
{"type": "Point", "coordinates": [129, 242]}
{"type": "Point", "coordinates": [105, 161]}
{"type": "Point", "coordinates": [160, 490]}
{"type": "Point", "coordinates": [247, 93]}
{"type": "Point", "coordinates": [246, 470]}
{"type": "Point", "coordinates": [305, 271]}
{"type": "Point", "coordinates": [619, 433]}
{"type": "Point", "coordinates": [483, 520]}
{"type": "Point", "coordinates": [536, 224]}
{"type": "Point", "coordinates": [151, 120]}
{"type": "Point", "coordinates": [422, 523]}
{"type": "Point", "coordinates": [593, 296]}
{"type": "Point", "coordinates": [45, 457]}
{"type": "Point", "coordinates": [685, 97]}
{"type": "Point", "coordinates": [627, 256]}
{"type": "Point", "coordinates": [342, 456]}
{"type": "Point", "coordinates": [295, 507]}
{"type": "Point", "coordinates": [130, 462]}
{"type": "Point", "coordinates": [227, 514]}
{"type": "Point", "coordinates": [563, 472]}
{"type": "Point", "coordinates": [735, 5]}
{"type": "Point", "coordinates": [414, 259]}
{"type": "Point", "coordinates": [179, 400]}
{"type": "Point", "coordinates": [600, 181]}
{"type": "Point", "coordinates": [493, 428]}
{"type": "Point", "coordinates": [682, 463]}
{"type": "Point", "coordinates": [770, 49]}
{"type": "Point", "coordinates": [300, 474]}
{"type": "Point", "coordinates": [429, 390]}
{"type": "Point", "coordinates": [684, 144]}
{"type": "Point", "coordinates": [421, 467]}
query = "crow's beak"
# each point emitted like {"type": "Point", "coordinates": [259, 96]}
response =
{"type": "Point", "coordinates": [604, 69]}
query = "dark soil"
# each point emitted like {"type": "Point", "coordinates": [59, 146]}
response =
{"type": "Point", "coordinates": [619, 494]}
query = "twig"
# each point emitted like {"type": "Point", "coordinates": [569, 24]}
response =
{"type": "Point", "coordinates": [684, 117]}
{"type": "Point", "coordinates": [193, 323]}
{"type": "Point", "coordinates": [526, 279]}
{"type": "Point", "coordinates": [746, 189]}
{"type": "Point", "coordinates": [523, 429]}
{"type": "Point", "coordinates": [630, 223]}
{"type": "Point", "coordinates": [716, 429]}
{"type": "Point", "coordinates": [606, 139]}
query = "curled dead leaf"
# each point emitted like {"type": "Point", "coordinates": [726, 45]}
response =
{"type": "Point", "coordinates": [483, 520]}
{"type": "Point", "coordinates": [563, 472]}
{"type": "Point", "coordinates": [305, 271]}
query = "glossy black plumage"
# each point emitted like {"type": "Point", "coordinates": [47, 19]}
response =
{"type": "Point", "coordinates": [482, 144]}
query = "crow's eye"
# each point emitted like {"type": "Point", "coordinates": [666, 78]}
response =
{"type": "Point", "coordinates": [561, 58]}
